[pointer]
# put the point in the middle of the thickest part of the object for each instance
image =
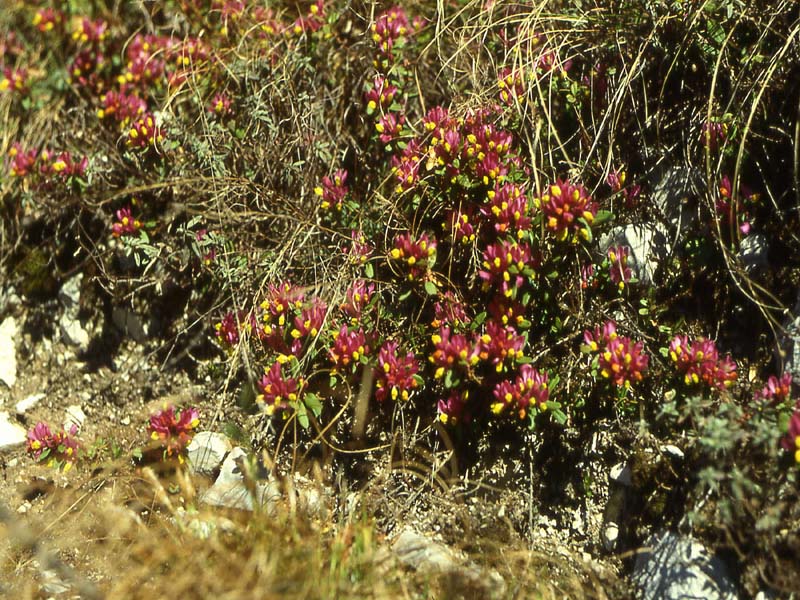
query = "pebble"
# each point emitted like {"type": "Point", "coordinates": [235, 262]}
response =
{"type": "Point", "coordinates": [11, 433]}
{"type": "Point", "coordinates": [28, 403]}
{"type": "Point", "coordinates": [8, 352]}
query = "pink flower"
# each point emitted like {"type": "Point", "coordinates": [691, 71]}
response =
{"type": "Point", "coordinates": [22, 161]}
{"type": "Point", "coordinates": [505, 266]}
{"type": "Point", "coordinates": [46, 19]}
{"type": "Point", "coordinates": [348, 347]}
{"type": "Point", "coordinates": [620, 359]}
{"type": "Point", "coordinates": [419, 254]}
{"type": "Point", "coordinates": [58, 449]}
{"type": "Point", "coordinates": [510, 84]}
{"type": "Point", "coordinates": [777, 390]}
{"type": "Point", "coordinates": [278, 390]}
{"type": "Point", "coordinates": [389, 127]}
{"type": "Point", "coordinates": [396, 373]}
{"type": "Point", "coordinates": [406, 166]}
{"type": "Point", "coordinates": [452, 409]}
{"type": "Point", "coordinates": [174, 429]}
{"type": "Point", "coordinates": [791, 441]}
{"type": "Point", "coordinates": [380, 95]}
{"type": "Point", "coordinates": [528, 389]}
{"type": "Point", "coordinates": [563, 204]}
{"type": "Point", "coordinates": [358, 296]}
{"type": "Point", "coordinates": [699, 360]}
{"type": "Point", "coordinates": [126, 224]}
{"type": "Point", "coordinates": [619, 271]}
{"type": "Point", "coordinates": [713, 134]}
{"type": "Point", "coordinates": [500, 344]}
{"type": "Point", "coordinates": [451, 350]}
{"type": "Point", "coordinates": [333, 190]}
{"type": "Point", "coordinates": [15, 80]}
{"type": "Point", "coordinates": [449, 311]}
{"type": "Point", "coordinates": [144, 133]}
{"type": "Point", "coordinates": [507, 208]}
{"type": "Point", "coordinates": [220, 105]}
{"type": "Point", "coordinates": [227, 331]}
{"type": "Point", "coordinates": [90, 32]}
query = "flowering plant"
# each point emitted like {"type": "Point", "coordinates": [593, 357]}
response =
{"type": "Point", "coordinates": [174, 429]}
{"type": "Point", "coordinates": [59, 449]}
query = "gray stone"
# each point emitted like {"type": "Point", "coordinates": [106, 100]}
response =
{"type": "Point", "coordinates": [753, 251]}
{"type": "Point", "coordinates": [11, 433]}
{"type": "Point", "coordinates": [8, 352]}
{"type": "Point", "coordinates": [130, 324]}
{"type": "Point", "coordinates": [74, 415]}
{"type": "Point", "coordinates": [73, 333]}
{"type": "Point", "coordinates": [28, 403]}
{"type": "Point", "coordinates": [673, 451]}
{"type": "Point", "coordinates": [649, 246]}
{"type": "Point", "coordinates": [676, 184]}
{"type": "Point", "coordinates": [230, 490]}
{"type": "Point", "coordinates": [427, 556]}
{"type": "Point", "coordinates": [621, 474]}
{"type": "Point", "coordinates": [70, 292]}
{"type": "Point", "coordinates": [206, 451]}
{"type": "Point", "coordinates": [674, 567]}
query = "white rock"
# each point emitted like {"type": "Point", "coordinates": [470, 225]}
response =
{"type": "Point", "coordinates": [229, 490]}
{"type": "Point", "coordinates": [11, 433]}
{"type": "Point", "coordinates": [74, 415]}
{"type": "Point", "coordinates": [611, 536]}
{"type": "Point", "coordinates": [673, 451]}
{"type": "Point", "coordinates": [621, 474]}
{"type": "Point", "coordinates": [649, 245]}
{"type": "Point", "coordinates": [73, 332]}
{"type": "Point", "coordinates": [24, 507]}
{"type": "Point", "coordinates": [28, 403]}
{"type": "Point", "coordinates": [673, 567]}
{"type": "Point", "coordinates": [8, 352]}
{"type": "Point", "coordinates": [70, 292]}
{"type": "Point", "coordinates": [207, 450]}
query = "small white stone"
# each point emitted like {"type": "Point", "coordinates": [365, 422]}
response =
{"type": "Point", "coordinates": [8, 352]}
{"type": "Point", "coordinates": [207, 450]}
{"type": "Point", "coordinates": [126, 420]}
{"type": "Point", "coordinates": [24, 507]}
{"type": "Point", "coordinates": [11, 433]}
{"type": "Point", "coordinates": [610, 536]}
{"type": "Point", "coordinates": [74, 416]}
{"type": "Point", "coordinates": [28, 403]}
{"type": "Point", "coordinates": [672, 451]}
{"type": "Point", "coordinates": [621, 474]}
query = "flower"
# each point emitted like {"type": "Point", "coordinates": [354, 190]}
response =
{"type": "Point", "coordinates": [380, 95]}
{"type": "Point", "coordinates": [777, 390]}
{"type": "Point", "coordinates": [620, 359]}
{"type": "Point", "coordinates": [220, 105]}
{"type": "Point", "coordinates": [277, 390]}
{"type": "Point", "coordinates": [506, 264]}
{"type": "Point", "coordinates": [333, 190]}
{"type": "Point", "coordinates": [389, 127]}
{"type": "Point", "coordinates": [15, 80]}
{"type": "Point", "coordinates": [227, 331]}
{"type": "Point", "coordinates": [563, 204]}
{"type": "Point", "coordinates": [357, 298]}
{"type": "Point", "coordinates": [699, 360]}
{"type": "Point", "coordinates": [173, 429]}
{"type": "Point", "coordinates": [396, 373]}
{"type": "Point", "coordinates": [453, 408]}
{"type": "Point", "coordinates": [348, 347]}
{"type": "Point", "coordinates": [126, 224]}
{"type": "Point", "coordinates": [508, 208]}
{"type": "Point", "coordinates": [529, 388]}
{"type": "Point", "coordinates": [713, 134]}
{"type": "Point", "coordinates": [58, 449]}
{"type": "Point", "coordinates": [500, 343]}
{"type": "Point", "coordinates": [451, 350]}
{"type": "Point", "coordinates": [418, 254]}
{"type": "Point", "coordinates": [619, 271]}
{"type": "Point", "coordinates": [791, 441]}
{"type": "Point", "coordinates": [144, 132]}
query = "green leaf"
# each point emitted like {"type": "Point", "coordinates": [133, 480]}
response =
{"type": "Point", "coordinates": [431, 288]}
{"type": "Point", "coordinates": [369, 270]}
{"type": "Point", "coordinates": [313, 403]}
{"type": "Point", "coordinates": [601, 217]}
{"type": "Point", "coordinates": [479, 318]}
{"type": "Point", "coordinates": [404, 295]}
{"type": "Point", "coordinates": [333, 381]}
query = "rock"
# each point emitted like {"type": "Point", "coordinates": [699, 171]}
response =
{"type": "Point", "coordinates": [229, 490]}
{"type": "Point", "coordinates": [11, 433]}
{"type": "Point", "coordinates": [670, 192]}
{"type": "Point", "coordinates": [673, 451]}
{"type": "Point", "coordinates": [73, 332]}
{"type": "Point", "coordinates": [611, 536]}
{"type": "Point", "coordinates": [206, 451]}
{"type": "Point", "coordinates": [74, 415]}
{"type": "Point", "coordinates": [130, 324]}
{"type": "Point", "coordinates": [788, 349]}
{"type": "Point", "coordinates": [621, 474]}
{"type": "Point", "coordinates": [28, 403]}
{"type": "Point", "coordinates": [674, 567]}
{"type": "Point", "coordinates": [70, 292]}
{"type": "Point", "coordinates": [753, 251]}
{"type": "Point", "coordinates": [52, 582]}
{"type": "Point", "coordinates": [648, 247]}
{"type": "Point", "coordinates": [427, 556]}
{"type": "Point", "coordinates": [8, 352]}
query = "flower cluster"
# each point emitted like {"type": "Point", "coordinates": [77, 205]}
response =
{"type": "Point", "coordinates": [620, 359]}
{"type": "Point", "coordinates": [397, 373]}
{"type": "Point", "coordinates": [174, 428]}
{"type": "Point", "coordinates": [348, 347]}
{"type": "Point", "coordinates": [45, 164]}
{"type": "Point", "coordinates": [418, 254]}
{"type": "Point", "coordinates": [619, 271]}
{"type": "Point", "coordinates": [699, 360]}
{"type": "Point", "coordinates": [15, 80]}
{"type": "Point", "coordinates": [451, 350]}
{"type": "Point", "coordinates": [388, 28]}
{"type": "Point", "coordinates": [144, 132]}
{"type": "Point", "coordinates": [380, 95]}
{"type": "Point", "coordinates": [500, 344]}
{"type": "Point", "coordinates": [47, 19]}
{"type": "Point", "coordinates": [277, 391]}
{"type": "Point", "coordinates": [713, 134]}
{"type": "Point", "coordinates": [452, 408]}
{"type": "Point", "coordinates": [506, 265]}
{"type": "Point", "coordinates": [221, 105]}
{"type": "Point", "coordinates": [510, 84]}
{"type": "Point", "coordinates": [357, 298]}
{"type": "Point", "coordinates": [529, 389]}
{"type": "Point", "coordinates": [227, 330]}
{"type": "Point", "coordinates": [125, 223]}
{"type": "Point", "coordinates": [734, 209]}
{"type": "Point", "coordinates": [791, 441]}
{"type": "Point", "coordinates": [57, 449]}
{"type": "Point", "coordinates": [777, 391]}
{"type": "Point", "coordinates": [630, 194]}
{"type": "Point", "coordinates": [507, 208]}
{"type": "Point", "coordinates": [333, 190]}
{"type": "Point", "coordinates": [563, 204]}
